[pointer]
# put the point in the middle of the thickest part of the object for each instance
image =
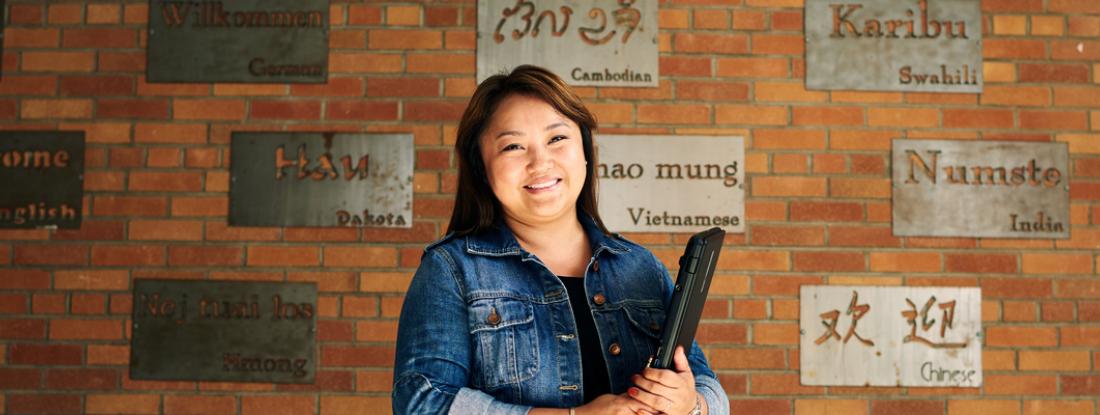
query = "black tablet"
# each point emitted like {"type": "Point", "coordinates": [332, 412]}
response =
{"type": "Point", "coordinates": [688, 296]}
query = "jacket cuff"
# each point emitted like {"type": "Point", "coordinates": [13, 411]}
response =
{"type": "Point", "coordinates": [473, 401]}
{"type": "Point", "coordinates": [717, 401]}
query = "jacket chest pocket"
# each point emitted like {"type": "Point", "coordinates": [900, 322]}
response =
{"type": "Point", "coordinates": [646, 323]}
{"type": "Point", "coordinates": [505, 342]}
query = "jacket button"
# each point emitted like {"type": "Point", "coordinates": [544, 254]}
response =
{"type": "Point", "coordinates": [494, 318]}
{"type": "Point", "coordinates": [599, 299]}
{"type": "Point", "coordinates": [654, 326]}
{"type": "Point", "coordinates": [596, 266]}
{"type": "Point", "coordinates": [615, 349]}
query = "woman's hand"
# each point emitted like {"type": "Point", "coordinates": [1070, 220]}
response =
{"type": "Point", "coordinates": [614, 404]}
{"type": "Point", "coordinates": [670, 392]}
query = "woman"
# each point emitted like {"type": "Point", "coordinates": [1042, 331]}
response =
{"type": "Point", "coordinates": [529, 304]}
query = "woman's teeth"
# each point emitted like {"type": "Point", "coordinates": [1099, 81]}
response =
{"type": "Point", "coordinates": [542, 185]}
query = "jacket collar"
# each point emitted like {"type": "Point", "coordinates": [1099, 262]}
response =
{"type": "Point", "coordinates": [500, 241]}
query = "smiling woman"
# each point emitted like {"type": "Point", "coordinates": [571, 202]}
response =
{"type": "Point", "coordinates": [528, 304]}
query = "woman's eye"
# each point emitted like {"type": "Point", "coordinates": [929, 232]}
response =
{"type": "Point", "coordinates": [511, 147]}
{"type": "Point", "coordinates": [558, 138]}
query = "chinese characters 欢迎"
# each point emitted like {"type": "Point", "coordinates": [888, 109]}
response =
{"type": "Point", "coordinates": [856, 310]}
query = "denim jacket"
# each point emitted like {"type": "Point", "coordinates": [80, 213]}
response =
{"type": "Point", "coordinates": [487, 328]}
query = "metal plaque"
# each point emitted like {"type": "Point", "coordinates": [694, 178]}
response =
{"type": "Point", "coordinates": [249, 41]}
{"type": "Point", "coordinates": [1000, 189]}
{"type": "Point", "coordinates": [321, 179]}
{"type": "Point", "coordinates": [892, 45]}
{"type": "Point", "coordinates": [890, 336]}
{"type": "Point", "coordinates": [224, 331]}
{"type": "Point", "coordinates": [671, 183]}
{"type": "Point", "coordinates": [42, 173]}
{"type": "Point", "coordinates": [594, 43]}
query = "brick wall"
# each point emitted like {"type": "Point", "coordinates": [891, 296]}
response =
{"type": "Point", "coordinates": [818, 201]}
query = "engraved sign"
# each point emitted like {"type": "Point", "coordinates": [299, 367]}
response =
{"type": "Point", "coordinates": [671, 183]}
{"type": "Point", "coordinates": [890, 336]}
{"type": "Point", "coordinates": [224, 330]}
{"type": "Point", "coordinates": [594, 43]}
{"type": "Point", "coordinates": [321, 179]}
{"type": "Point", "coordinates": [250, 41]}
{"type": "Point", "coordinates": [894, 45]}
{"type": "Point", "coordinates": [42, 177]}
{"type": "Point", "coordinates": [999, 189]}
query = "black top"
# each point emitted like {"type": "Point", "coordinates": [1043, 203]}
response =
{"type": "Point", "coordinates": [595, 379]}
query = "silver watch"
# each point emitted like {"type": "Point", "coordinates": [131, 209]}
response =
{"type": "Point", "coordinates": [698, 409]}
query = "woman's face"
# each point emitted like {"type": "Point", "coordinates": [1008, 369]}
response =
{"type": "Point", "coordinates": [534, 158]}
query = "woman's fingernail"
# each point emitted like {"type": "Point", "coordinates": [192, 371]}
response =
{"type": "Point", "coordinates": [632, 391]}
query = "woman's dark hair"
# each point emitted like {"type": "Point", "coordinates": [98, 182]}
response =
{"type": "Point", "coordinates": [476, 207]}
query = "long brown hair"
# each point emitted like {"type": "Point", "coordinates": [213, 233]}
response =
{"type": "Point", "coordinates": [476, 207]}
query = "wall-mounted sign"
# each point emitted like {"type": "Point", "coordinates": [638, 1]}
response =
{"type": "Point", "coordinates": [252, 41]}
{"type": "Point", "coordinates": [890, 336]}
{"type": "Point", "coordinates": [894, 45]}
{"type": "Point", "coordinates": [42, 176]}
{"type": "Point", "coordinates": [1001, 189]}
{"type": "Point", "coordinates": [671, 183]}
{"type": "Point", "coordinates": [224, 330]}
{"type": "Point", "coordinates": [321, 179]}
{"type": "Point", "coordinates": [595, 43]}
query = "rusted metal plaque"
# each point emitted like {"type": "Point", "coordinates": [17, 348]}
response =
{"type": "Point", "coordinates": [41, 179]}
{"type": "Point", "coordinates": [671, 183]}
{"type": "Point", "coordinates": [321, 179]}
{"type": "Point", "coordinates": [249, 41]}
{"type": "Point", "coordinates": [894, 45]}
{"type": "Point", "coordinates": [595, 43]}
{"type": "Point", "coordinates": [999, 189]}
{"type": "Point", "coordinates": [890, 336]}
{"type": "Point", "coordinates": [224, 330]}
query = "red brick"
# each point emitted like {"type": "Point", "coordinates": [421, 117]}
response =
{"type": "Point", "coordinates": [87, 304]}
{"type": "Point", "coordinates": [907, 407]}
{"type": "Point", "coordinates": [86, 329]}
{"type": "Point", "coordinates": [712, 91]}
{"type": "Point", "coordinates": [1013, 49]}
{"type": "Point", "coordinates": [1080, 336]}
{"type": "Point", "coordinates": [782, 384]}
{"type": "Point", "coordinates": [335, 256]}
{"type": "Point", "coordinates": [165, 182]}
{"type": "Point", "coordinates": [826, 211]}
{"type": "Point", "coordinates": [862, 236]}
{"type": "Point", "coordinates": [750, 114]}
{"type": "Point", "coordinates": [92, 230]}
{"type": "Point", "coordinates": [710, 43]}
{"type": "Point", "coordinates": [763, 44]}
{"type": "Point", "coordinates": [788, 186]}
{"type": "Point", "coordinates": [208, 109]}
{"type": "Point", "coordinates": [45, 354]}
{"type": "Point", "coordinates": [684, 66]}
{"type": "Point", "coordinates": [788, 235]}
{"type": "Point", "coordinates": [1016, 288]}
{"type": "Point", "coordinates": [905, 262]}
{"type": "Point", "coordinates": [435, 63]}
{"type": "Point", "coordinates": [977, 118]}
{"type": "Point", "coordinates": [19, 378]}
{"type": "Point", "coordinates": [24, 279]}
{"type": "Point", "coordinates": [25, 13]}
{"type": "Point", "coordinates": [1007, 6]}
{"type": "Point", "coordinates": [1048, 73]}
{"type": "Point", "coordinates": [404, 39]}
{"type": "Point", "coordinates": [1081, 385]}
{"type": "Point", "coordinates": [66, 61]}
{"type": "Point", "coordinates": [274, 405]}
{"type": "Point", "coordinates": [123, 403]}
{"type": "Point", "coordinates": [981, 263]}
{"type": "Point", "coordinates": [749, 20]}
{"type": "Point", "coordinates": [99, 38]}
{"type": "Point", "coordinates": [1084, 26]}
{"type": "Point", "coordinates": [758, 406]}
{"type": "Point", "coordinates": [755, 67]}
{"type": "Point", "coordinates": [327, 381]}
{"type": "Point", "coordinates": [13, 304]}
{"type": "Point", "coordinates": [44, 404]}
{"type": "Point", "coordinates": [363, 356]}
{"type": "Point", "coordinates": [129, 206]}
{"type": "Point", "coordinates": [86, 379]}
{"type": "Point", "coordinates": [92, 279]}
{"type": "Point", "coordinates": [360, 110]}
{"type": "Point", "coordinates": [403, 87]}
{"type": "Point", "coordinates": [904, 117]}
{"type": "Point", "coordinates": [79, 85]}
{"type": "Point", "coordinates": [67, 254]}
{"type": "Point", "coordinates": [786, 20]}
{"type": "Point", "coordinates": [205, 256]}
{"type": "Point", "coordinates": [754, 358]}
{"type": "Point", "coordinates": [1075, 50]}
{"type": "Point", "coordinates": [133, 62]}
{"type": "Point", "coordinates": [165, 230]}
{"type": "Point", "coordinates": [132, 108]}
{"type": "Point", "coordinates": [829, 261]}
{"type": "Point", "coordinates": [1084, 191]}
{"type": "Point", "coordinates": [673, 114]}
{"type": "Point", "coordinates": [440, 16]}
{"type": "Point", "coordinates": [1054, 120]}
{"type": "Point", "coordinates": [1020, 336]}
{"type": "Point", "coordinates": [285, 110]}
{"type": "Point", "coordinates": [364, 15]}
{"type": "Point", "coordinates": [336, 87]}
{"type": "Point", "coordinates": [220, 231]}
{"type": "Point", "coordinates": [132, 255]}
{"type": "Point", "coordinates": [199, 405]}
{"type": "Point", "coordinates": [282, 256]}
{"type": "Point", "coordinates": [826, 115]}
{"type": "Point", "coordinates": [434, 111]}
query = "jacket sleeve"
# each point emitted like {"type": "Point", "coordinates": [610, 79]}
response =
{"type": "Point", "coordinates": [706, 382]}
{"type": "Point", "coordinates": [431, 367]}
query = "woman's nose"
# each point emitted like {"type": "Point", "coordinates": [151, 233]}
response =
{"type": "Point", "coordinates": [540, 159]}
